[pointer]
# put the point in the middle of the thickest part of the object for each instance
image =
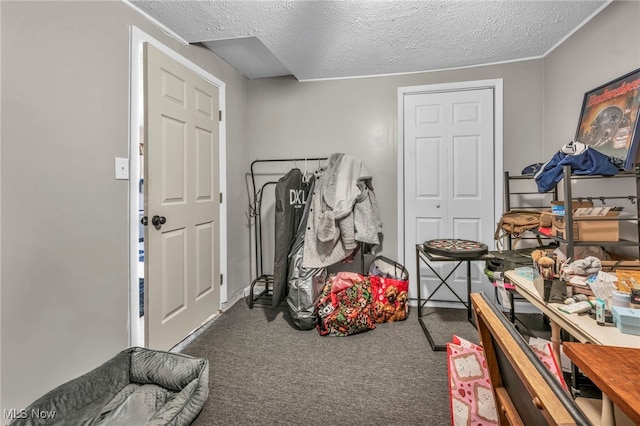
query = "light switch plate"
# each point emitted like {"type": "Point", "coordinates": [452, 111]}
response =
{"type": "Point", "coordinates": [122, 168]}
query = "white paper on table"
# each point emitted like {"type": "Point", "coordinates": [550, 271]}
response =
{"type": "Point", "coordinates": [579, 281]}
{"type": "Point", "coordinates": [603, 287]}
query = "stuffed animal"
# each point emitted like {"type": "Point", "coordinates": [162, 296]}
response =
{"type": "Point", "coordinates": [547, 265]}
{"type": "Point", "coordinates": [537, 254]}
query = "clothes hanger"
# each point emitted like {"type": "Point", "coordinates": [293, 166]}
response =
{"type": "Point", "coordinates": [305, 176]}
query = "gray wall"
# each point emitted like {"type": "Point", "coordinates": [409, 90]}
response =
{"type": "Point", "coordinates": [606, 48]}
{"type": "Point", "coordinates": [359, 117]}
{"type": "Point", "coordinates": [64, 219]}
{"type": "Point", "coordinates": [542, 100]}
{"type": "Point", "coordinates": [65, 242]}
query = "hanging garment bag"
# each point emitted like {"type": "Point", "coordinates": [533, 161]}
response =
{"type": "Point", "coordinates": [291, 195]}
{"type": "Point", "coordinates": [304, 284]}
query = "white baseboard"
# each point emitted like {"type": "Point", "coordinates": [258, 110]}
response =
{"type": "Point", "coordinates": [195, 333]}
{"type": "Point", "coordinates": [223, 307]}
{"type": "Point", "coordinates": [522, 307]}
{"type": "Point", "coordinates": [256, 290]}
{"type": "Point", "coordinates": [233, 299]}
{"type": "Point", "coordinates": [438, 304]}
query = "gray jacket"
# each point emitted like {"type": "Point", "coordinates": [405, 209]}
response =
{"type": "Point", "coordinates": [343, 212]}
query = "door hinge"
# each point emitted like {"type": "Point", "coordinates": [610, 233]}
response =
{"type": "Point", "coordinates": [221, 278]}
{"type": "Point", "coordinates": [220, 115]}
{"type": "Point", "coordinates": [221, 198]}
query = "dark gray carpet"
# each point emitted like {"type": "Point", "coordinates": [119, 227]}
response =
{"type": "Point", "coordinates": [263, 371]}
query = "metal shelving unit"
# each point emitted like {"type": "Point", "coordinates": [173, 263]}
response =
{"type": "Point", "coordinates": [542, 201]}
{"type": "Point", "coordinates": [567, 187]}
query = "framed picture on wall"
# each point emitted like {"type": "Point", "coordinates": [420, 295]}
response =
{"type": "Point", "coordinates": [610, 117]}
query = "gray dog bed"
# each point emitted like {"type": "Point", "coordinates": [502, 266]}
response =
{"type": "Point", "coordinates": [136, 387]}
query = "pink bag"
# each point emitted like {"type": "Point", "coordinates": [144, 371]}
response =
{"type": "Point", "coordinates": [544, 352]}
{"type": "Point", "coordinates": [470, 393]}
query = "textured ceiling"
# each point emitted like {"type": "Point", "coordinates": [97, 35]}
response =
{"type": "Point", "coordinates": [335, 39]}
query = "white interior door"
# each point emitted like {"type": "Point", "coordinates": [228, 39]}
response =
{"type": "Point", "coordinates": [448, 180]}
{"type": "Point", "coordinates": [181, 185]}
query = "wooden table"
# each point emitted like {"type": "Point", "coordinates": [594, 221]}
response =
{"type": "Point", "coordinates": [615, 370]}
{"type": "Point", "coordinates": [583, 328]}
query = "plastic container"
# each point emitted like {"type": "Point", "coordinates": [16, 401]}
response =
{"type": "Point", "coordinates": [620, 298]}
{"type": "Point", "coordinates": [600, 312]}
{"type": "Point", "coordinates": [627, 320]}
{"type": "Point", "coordinates": [525, 272]}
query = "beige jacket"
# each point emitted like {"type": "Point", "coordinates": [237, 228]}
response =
{"type": "Point", "coordinates": [343, 212]}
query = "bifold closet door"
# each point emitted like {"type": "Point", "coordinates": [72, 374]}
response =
{"type": "Point", "coordinates": [449, 177]}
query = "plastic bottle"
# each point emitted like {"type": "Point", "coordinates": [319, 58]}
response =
{"type": "Point", "coordinates": [600, 318]}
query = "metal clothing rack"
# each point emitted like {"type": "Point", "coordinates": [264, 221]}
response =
{"type": "Point", "coordinates": [255, 210]}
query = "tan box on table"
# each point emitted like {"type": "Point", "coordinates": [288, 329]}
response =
{"type": "Point", "coordinates": [602, 228]}
{"type": "Point", "coordinates": [619, 261]}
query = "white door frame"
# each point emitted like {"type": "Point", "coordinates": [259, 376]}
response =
{"type": "Point", "coordinates": [136, 120]}
{"type": "Point", "coordinates": [496, 86]}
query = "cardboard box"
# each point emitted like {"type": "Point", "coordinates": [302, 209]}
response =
{"type": "Point", "coordinates": [619, 261]}
{"type": "Point", "coordinates": [546, 218]}
{"type": "Point", "coordinates": [602, 228]}
{"type": "Point", "coordinates": [557, 207]}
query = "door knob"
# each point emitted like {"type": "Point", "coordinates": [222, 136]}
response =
{"type": "Point", "coordinates": [437, 206]}
{"type": "Point", "coordinates": [158, 221]}
{"type": "Point", "coordinates": [144, 220]}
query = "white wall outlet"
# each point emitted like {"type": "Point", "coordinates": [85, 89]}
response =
{"type": "Point", "coordinates": [122, 168]}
